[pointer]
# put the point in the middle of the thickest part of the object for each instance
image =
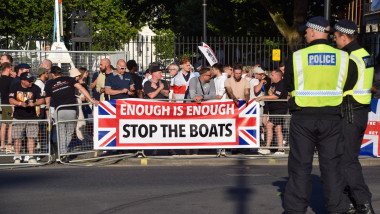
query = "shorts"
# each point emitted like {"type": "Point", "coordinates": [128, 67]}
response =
{"type": "Point", "coordinates": [18, 129]}
{"type": "Point", "coordinates": [6, 114]}
{"type": "Point", "coordinates": [277, 120]}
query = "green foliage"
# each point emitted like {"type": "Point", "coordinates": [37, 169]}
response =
{"type": "Point", "coordinates": [164, 45]}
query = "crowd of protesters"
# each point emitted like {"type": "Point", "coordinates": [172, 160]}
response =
{"type": "Point", "coordinates": [31, 101]}
{"type": "Point", "coordinates": [37, 98]}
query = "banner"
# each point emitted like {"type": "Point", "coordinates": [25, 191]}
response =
{"type": "Point", "coordinates": [208, 53]}
{"type": "Point", "coordinates": [370, 144]}
{"type": "Point", "coordinates": [147, 124]}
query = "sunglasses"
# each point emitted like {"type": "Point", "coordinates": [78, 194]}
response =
{"type": "Point", "coordinates": [122, 68]}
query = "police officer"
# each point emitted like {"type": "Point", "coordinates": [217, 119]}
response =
{"type": "Point", "coordinates": [356, 105]}
{"type": "Point", "coordinates": [315, 76]}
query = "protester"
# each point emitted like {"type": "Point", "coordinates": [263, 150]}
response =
{"type": "Point", "coordinates": [173, 71]}
{"type": "Point", "coordinates": [132, 67]}
{"type": "Point", "coordinates": [202, 87]}
{"type": "Point", "coordinates": [277, 91]}
{"type": "Point", "coordinates": [43, 76]}
{"type": "Point", "coordinates": [105, 70]}
{"type": "Point", "coordinates": [227, 71]}
{"type": "Point", "coordinates": [5, 81]}
{"type": "Point", "coordinates": [257, 89]}
{"type": "Point", "coordinates": [356, 105]}
{"type": "Point", "coordinates": [19, 69]}
{"type": "Point", "coordinates": [62, 90]}
{"type": "Point", "coordinates": [119, 84]}
{"type": "Point", "coordinates": [46, 63]}
{"type": "Point", "coordinates": [156, 88]}
{"type": "Point", "coordinates": [182, 79]}
{"type": "Point", "coordinates": [257, 84]}
{"type": "Point", "coordinates": [25, 96]}
{"type": "Point", "coordinates": [147, 76]}
{"type": "Point", "coordinates": [237, 87]}
{"type": "Point", "coordinates": [219, 80]}
{"type": "Point", "coordinates": [316, 119]}
{"type": "Point", "coordinates": [6, 58]}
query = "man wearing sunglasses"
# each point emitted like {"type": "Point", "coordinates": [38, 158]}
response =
{"type": "Point", "coordinates": [119, 84]}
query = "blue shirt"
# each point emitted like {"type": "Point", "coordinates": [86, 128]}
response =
{"type": "Point", "coordinates": [116, 82]}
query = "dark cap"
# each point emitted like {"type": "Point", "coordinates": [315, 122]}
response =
{"type": "Point", "coordinates": [23, 65]}
{"type": "Point", "coordinates": [345, 26]}
{"type": "Point", "coordinates": [154, 69]}
{"type": "Point", "coordinates": [41, 71]}
{"type": "Point", "coordinates": [316, 23]}
{"type": "Point", "coordinates": [27, 76]}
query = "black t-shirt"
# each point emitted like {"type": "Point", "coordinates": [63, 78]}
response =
{"type": "Point", "coordinates": [19, 93]}
{"type": "Point", "coordinates": [137, 80]}
{"type": "Point", "coordinates": [5, 82]}
{"type": "Point", "coordinates": [62, 90]}
{"type": "Point", "coordinates": [15, 81]}
{"type": "Point", "coordinates": [148, 89]}
{"type": "Point", "coordinates": [278, 107]}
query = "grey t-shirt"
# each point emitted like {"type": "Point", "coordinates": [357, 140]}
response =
{"type": "Point", "coordinates": [196, 86]}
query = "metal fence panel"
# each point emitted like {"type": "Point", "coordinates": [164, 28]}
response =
{"type": "Point", "coordinates": [74, 135]}
{"type": "Point", "coordinates": [27, 138]}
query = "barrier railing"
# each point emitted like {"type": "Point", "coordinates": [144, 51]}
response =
{"type": "Point", "coordinates": [24, 140]}
{"type": "Point", "coordinates": [274, 133]}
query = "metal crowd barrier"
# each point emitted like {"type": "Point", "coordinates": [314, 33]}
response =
{"type": "Point", "coordinates": [274, 133]}
{"type": "Point", "coordinates": [37, 146]}
{"type": "Point", "coordinates": [74, 138]}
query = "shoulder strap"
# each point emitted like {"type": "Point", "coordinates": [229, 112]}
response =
{"type": "Point", "coordinates": [200, 83]}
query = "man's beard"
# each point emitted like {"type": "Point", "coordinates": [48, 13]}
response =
{"type": "Point", "coordinates": [237, 80]}
{"type": "Point", "coordinates": [103, 71]}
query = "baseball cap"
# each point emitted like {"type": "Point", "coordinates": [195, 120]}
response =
{"type": "Point", "coordinates": [154, 69]}
{"type": "Point", "coordinates": [316, 23]}
{"type": "Point", "coordinates": [27, 76]}
{"type": "Point", "coordinates": [23, 65]}
{"type": "Point", "coordinates": [74, 72]}
{"type": "Point", "coordinates": [258, 70]}
{"type": "Point", "coordinates": [41, 71]}
{"type": "Point", "coordinates": [345, 26]}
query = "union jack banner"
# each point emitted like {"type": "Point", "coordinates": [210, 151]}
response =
{"type": "Point", "coordinates": [148, 124]}
{"type": "Point", "coordinates": [370, 144]}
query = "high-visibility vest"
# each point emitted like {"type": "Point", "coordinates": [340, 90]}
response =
{"type": "Point", "coordinates": [362, 89]}
{"type": "Point", "coordinates": [320, 72]}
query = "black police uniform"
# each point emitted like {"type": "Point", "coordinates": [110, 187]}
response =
{"type": "Point", "coordinates": [354, 126]}
{"type": "Point", "coordinates": [310, 128]}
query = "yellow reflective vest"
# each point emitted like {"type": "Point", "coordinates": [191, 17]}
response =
{"type": "Point", "coordinates": [362, 89]}
{"type": "Point", "coordinates": [320, 72]}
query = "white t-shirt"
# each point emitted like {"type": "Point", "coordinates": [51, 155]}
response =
{"type": "Point", "coordinates": [41, 84]}
{"type": "Point", "coordinates": [252, 83]}
{"type": "Point", "coordinates": [219, 86]}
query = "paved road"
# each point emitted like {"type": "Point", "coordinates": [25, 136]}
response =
{"type": "Point", "coordinates": [156, 189]}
